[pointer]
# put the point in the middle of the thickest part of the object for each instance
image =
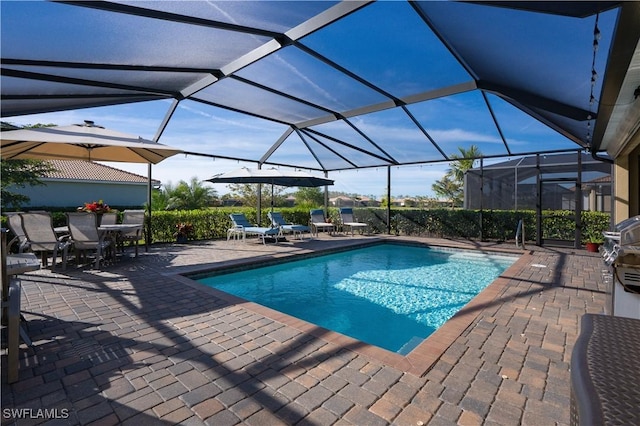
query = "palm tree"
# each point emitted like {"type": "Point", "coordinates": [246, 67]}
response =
{"type": "Point", "coordinates": [463, 162]}
{"type": "Point", "coordinates": [190, 196]}
{"type": "Point", "coordinates": [451, 186]}
{"type": "Point", "coordinates": [160, 197]}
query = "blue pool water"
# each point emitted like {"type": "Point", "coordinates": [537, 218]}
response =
{"type": "Point", "coordinates": [389, 295]}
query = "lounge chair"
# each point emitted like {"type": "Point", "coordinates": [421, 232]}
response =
{"type": "Point", "coordinates": [318, 222]}
{"type": "Point", "coordinates": [38, 228]}
{"type": "Point", "coordinates": [242, 227]}
{"type": "Point", "coordinates": [278, 221]}
{"type": "Point", "coordinates": [83, 227]}
{"type": "Point", "coordinates": [347, 219]}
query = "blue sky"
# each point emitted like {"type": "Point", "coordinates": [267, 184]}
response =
{"type": "Point", "coordinates": [382, 57]}
{"type": "Point", "coordinates": [192, 127]}
{"type": "Point", "coordinates": [198, 129]}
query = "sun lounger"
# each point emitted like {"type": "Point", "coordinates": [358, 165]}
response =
{"type": "Point", "coordinates": [318, 222]}
{"type": "Point", "coordinates": [278, 221]}
{"type": "Point", "coordinates": [242, 227]}
{"type": "Point", "coordinates": [348, 220]}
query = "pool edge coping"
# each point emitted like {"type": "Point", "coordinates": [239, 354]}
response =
{"type": "Point", "coordinates": [417, 362]}
{"type": "Point", "coordinates": [433, 347]}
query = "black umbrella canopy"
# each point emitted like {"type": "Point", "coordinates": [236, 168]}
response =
{"type": "Point", "coordinates": [270, 176]}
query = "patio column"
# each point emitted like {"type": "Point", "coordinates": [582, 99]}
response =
{"type": "Point", "coordinates": [388, 199]}
{"type": "Point", "coordinates": [259, 198]}
{"type": "Point", "coordinates": [538, 203]}
{"type": "Point", "coordinates": [577, 242]}
{"type": "Point", "coordinates": [593, 196]}
{"type": "Point", "coordinates": [326, 195]}
{"type": "Point", "coordinates": [481, 197]}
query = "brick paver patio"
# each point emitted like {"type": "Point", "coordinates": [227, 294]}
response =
{"type": "Point", "coordinates": [137, 344]}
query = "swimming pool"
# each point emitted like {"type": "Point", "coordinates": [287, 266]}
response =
{"type": "Point", "coordinates": [388, 295]}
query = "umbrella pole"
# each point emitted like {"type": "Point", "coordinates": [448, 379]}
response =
{"type": "Point", "coordinates": [147, 230]}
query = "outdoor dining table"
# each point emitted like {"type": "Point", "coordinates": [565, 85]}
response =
{"type": "Point", "coordinates": [118, 227]}
{"type": "Point", "coordinates": [113, 229]}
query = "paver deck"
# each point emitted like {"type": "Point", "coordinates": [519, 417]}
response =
{"type": "Point", "coordinates": [136, 343]}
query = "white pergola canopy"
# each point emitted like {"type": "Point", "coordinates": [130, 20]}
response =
{"type": "Point", "coordinates": [340, 85]}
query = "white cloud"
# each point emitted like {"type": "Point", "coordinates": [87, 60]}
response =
{"type": "Point", "coordinates": [194, 129]}
{"type": "Point", "coordinates": [461, 136]}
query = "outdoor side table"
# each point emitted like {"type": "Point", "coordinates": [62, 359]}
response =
{"type": "Point", "coordinates": [298, 230]}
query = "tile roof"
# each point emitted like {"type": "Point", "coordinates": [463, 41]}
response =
{"type": "Point", "coordinates": [85, 170]}
{"type": "Point", "coordinates": [601, 179]}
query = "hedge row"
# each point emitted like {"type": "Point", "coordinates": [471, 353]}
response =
{"type": "Point", "coordinates": [213, 223]}
{"type": "Point", "coordinates": [495, 225]}
{"type": "Point", "coordinates": [444, 223]}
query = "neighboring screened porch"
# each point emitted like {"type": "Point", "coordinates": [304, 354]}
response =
{"type": "Point", "coordinates": [513, 184]}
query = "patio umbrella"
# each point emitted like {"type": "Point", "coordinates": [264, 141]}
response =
{"type": "Point", "coordinates": [272, 177]}
{"type": "Point", "coordinates": [84, 142]}
{"type": "Point", "coordinates": [81, 142]}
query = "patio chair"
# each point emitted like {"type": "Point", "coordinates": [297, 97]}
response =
{"type": "Point", "coordinates": [131, 217]}
{"type": "Point", "coordinates": [83, 227]}
{"type": "Point", "coordinates": [278, 221]}
{"type": "Point", "coordinates": [318, 222]}
{"type": "Point", "coordinates": [109, 219]}
{"type": "Point", "coordinates": [14, 222]}
{"type": "Point", "coordinates": [242, 227]}
{"type": "Point", "coordinates": [348, 220]}
{"type": "Point", "coordinates": [38, 229]}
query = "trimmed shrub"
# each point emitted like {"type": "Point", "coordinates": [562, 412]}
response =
{"type": "Point", "coordinates": [497, 225]}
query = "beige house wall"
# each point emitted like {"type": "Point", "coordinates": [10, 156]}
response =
{"type": "Point", "coordinates": [626, 178]}
{"type": "Point", "coordinates": [621, 185]}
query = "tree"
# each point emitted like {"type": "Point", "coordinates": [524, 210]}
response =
{"type": "Point", "coordinates": [160, 197]}
{"type": "Point", "coordinates": [451, 186]}
{"type": "Point", "coordinates": [188, 196]}
{"type": "Point", "coordinates": [311, 197]}
{"type": "Point", "coordinates": [248, 193]}
{"type": "Point", "coordinates": [19, 174]}
{"type": "Point", "coordinates": [449, 189]}
{"type": "Point", "coordinates": [463, 162]}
